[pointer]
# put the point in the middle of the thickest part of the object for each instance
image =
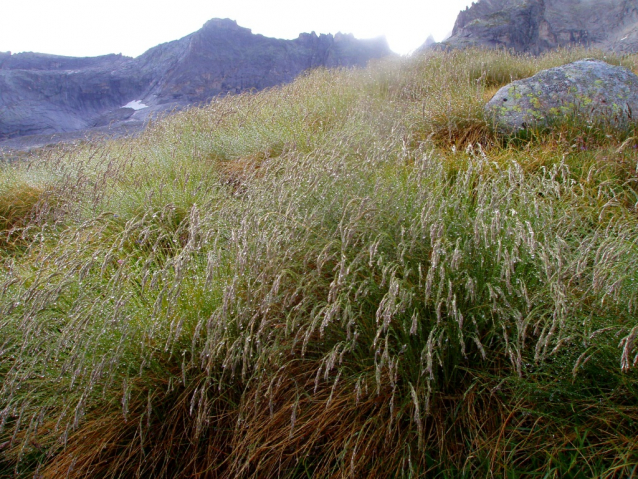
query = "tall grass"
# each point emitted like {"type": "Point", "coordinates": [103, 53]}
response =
{"type": "Point", "coordinates": [349, 276]}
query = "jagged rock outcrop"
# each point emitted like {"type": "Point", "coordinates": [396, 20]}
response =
{"type": "Point", "coordinates": [535, 26]}
{"type": "Point", "coordinates": [223, 57]}
{"type": "Point", "coordinates": [589, 90]}
{"type": "Point", "coordinates": [48, 94]}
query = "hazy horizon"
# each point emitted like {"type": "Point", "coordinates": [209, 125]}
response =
{"type": "Point", "coordinates": [80, 28]}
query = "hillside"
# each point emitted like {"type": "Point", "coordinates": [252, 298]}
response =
{"type": "Point", "coordinates": [48, 97]}
{"type": "Point", "coordinates": [350, 275]}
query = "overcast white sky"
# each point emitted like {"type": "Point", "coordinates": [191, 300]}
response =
{"type": "Point", "coordinates": [97, 27]}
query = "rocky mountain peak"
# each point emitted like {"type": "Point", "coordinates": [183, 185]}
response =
{"type": "Point", "coordinates": [429, 41]}
{"type": "Point", "coordinates": [223, 24]}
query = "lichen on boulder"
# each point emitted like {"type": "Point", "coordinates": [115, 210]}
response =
{"type": "Point", "coordinates": [588, 90]}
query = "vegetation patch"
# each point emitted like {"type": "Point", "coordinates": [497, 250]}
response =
{"type": "Point", "coordinates": [353, 275]}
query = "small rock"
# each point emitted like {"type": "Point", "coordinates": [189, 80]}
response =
{"type": "Point", "coordinates": [589, 89]}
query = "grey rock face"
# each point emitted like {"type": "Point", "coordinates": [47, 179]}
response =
{"type": "Point", "coordinates": [52, 95]}
{"type": "Point", "coordinates": [589, 89]}
{"type": "Point", "coordinates": [535, 26]}
{"type": "Point", "coordinates": [4, 56]}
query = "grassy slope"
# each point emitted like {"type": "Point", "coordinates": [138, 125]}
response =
{"type": "Point", "coordinates": [347, 276]}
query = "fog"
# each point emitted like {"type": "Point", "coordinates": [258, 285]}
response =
{"type": "Point", "coordinates": [89, 28]}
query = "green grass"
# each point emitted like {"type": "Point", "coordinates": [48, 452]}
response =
{"type": "Point", "coordinates": [350, 276]}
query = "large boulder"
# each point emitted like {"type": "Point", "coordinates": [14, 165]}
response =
{"type": "Point", "coordinates": [590, 90]}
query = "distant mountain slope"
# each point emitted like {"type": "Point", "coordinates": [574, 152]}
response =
{"type": "Point", "coordinates": [48, 94]}
{"type": "Point", "coordinates": [538, 25]}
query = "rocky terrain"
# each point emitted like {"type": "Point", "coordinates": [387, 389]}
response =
{"type": "Point", "coordinates": [535, 26]}
{"type": "Point", "coordinates": [48, 98]}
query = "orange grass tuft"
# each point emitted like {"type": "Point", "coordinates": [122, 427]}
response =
{"type": "Point", "coordinates": [159, 437]}
{"type": "Point", "coordinates": [20, 204]}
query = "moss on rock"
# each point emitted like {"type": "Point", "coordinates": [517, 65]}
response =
{"type": "Point", "coordinates": [591, 90]}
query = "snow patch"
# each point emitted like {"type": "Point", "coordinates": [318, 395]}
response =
{"type": "Point", "coordinates": [135, 105]}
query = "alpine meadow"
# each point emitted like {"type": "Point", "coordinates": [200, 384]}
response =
{"type": "Point", "coordinates": [352, 275]}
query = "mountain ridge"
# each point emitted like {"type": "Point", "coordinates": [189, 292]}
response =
{"type": "Point", "coordinates": [49, 97]}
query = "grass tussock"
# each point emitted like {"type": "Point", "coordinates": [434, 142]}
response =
{"type": "Point", "coordinates": [352, 275]}
{"type": "Point", "coordinates": [21, 204]}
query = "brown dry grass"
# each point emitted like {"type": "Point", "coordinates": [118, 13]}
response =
{"type": "Point", "coordinates": [20, 205]}
{"type": "Point", "coordinates": [160, 441]}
